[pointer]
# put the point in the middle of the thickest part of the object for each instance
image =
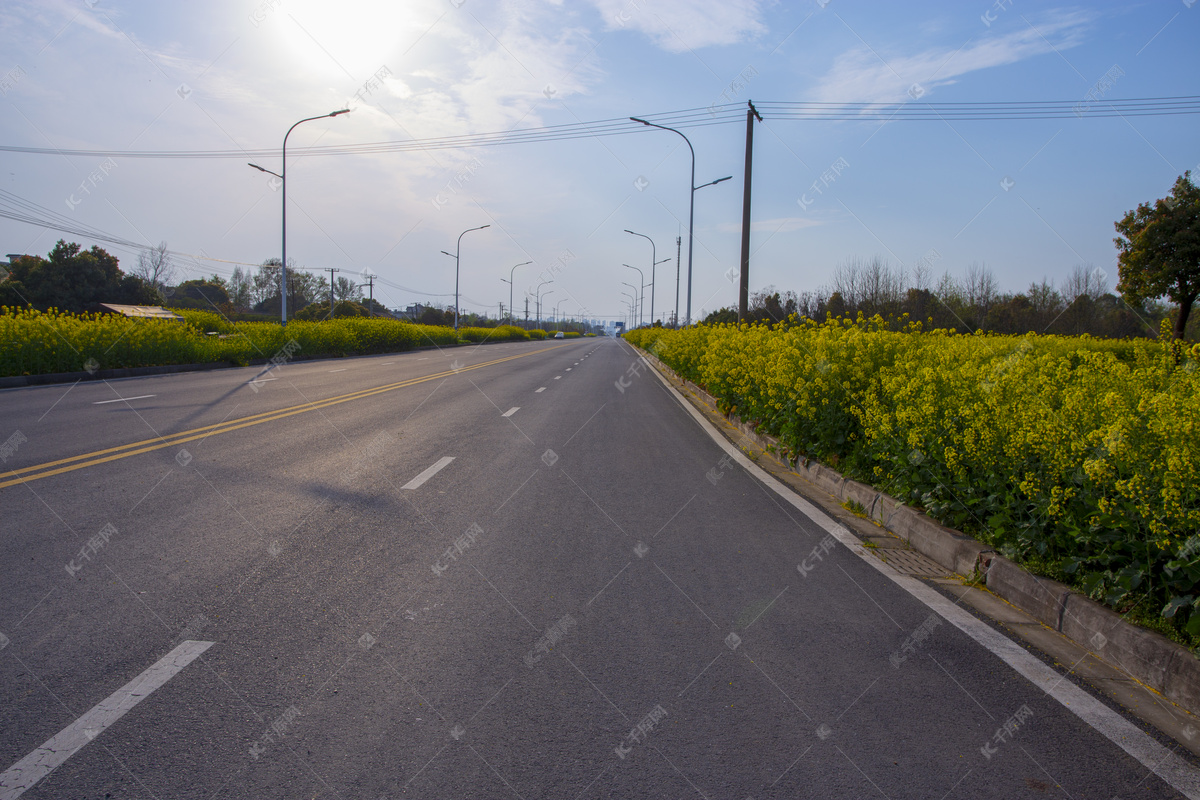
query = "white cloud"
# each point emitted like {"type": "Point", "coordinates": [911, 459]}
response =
{"type": "Point", "coordinates": [868, 75]}
{"type": "Point", "coordinates": [682, 25]}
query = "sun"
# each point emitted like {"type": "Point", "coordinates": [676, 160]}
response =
{"type": "Point", "coordinates": [350, 40]}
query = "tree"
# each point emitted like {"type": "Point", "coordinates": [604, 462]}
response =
{"type": "Point", "coordinates": [1159, 250]}
{"type": "Point", "coordinates": [154, 267]}
{"type": "Point", "coordinates": [74, 279]}
{"type": "Point", "coordinates": [346, 289]}
{"type": "Point", "coordinates": [240, 290]}
{"type": "Point", "coordinates": [210, 293]}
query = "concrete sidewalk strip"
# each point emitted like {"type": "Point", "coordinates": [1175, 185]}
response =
{"type": "Point", "coordinates": [42, 761]}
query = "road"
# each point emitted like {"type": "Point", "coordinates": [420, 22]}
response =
{"type": "Point", "coordinates": [519, 570]}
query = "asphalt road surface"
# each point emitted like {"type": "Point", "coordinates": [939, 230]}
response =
{"type": "Point", "coordinates": [520, 570]}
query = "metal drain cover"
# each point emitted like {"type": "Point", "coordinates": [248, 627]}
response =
{"type": "Point", "coordinates": [910, 562]}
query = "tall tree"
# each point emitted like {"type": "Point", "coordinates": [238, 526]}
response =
{"type": "Point", "coordinates": [1159, 250]}
{"type": "Point", "coordinates": [346, 289]}
{"type": "Point", "coordinates": [240, 290]}
{"type": "Point", "coordinates": [154, 267]}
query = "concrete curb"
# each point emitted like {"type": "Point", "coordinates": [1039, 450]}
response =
{"type": "Point", "coordinates": [15, 381]}
{"type": "Point", "coordinates": [1151, 658]}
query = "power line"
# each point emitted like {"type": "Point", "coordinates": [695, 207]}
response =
{"type": "Point", "coordinates": [720, 114]}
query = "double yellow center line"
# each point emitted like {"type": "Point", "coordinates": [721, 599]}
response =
{"type": "Point", "coordinates": [27, 474]}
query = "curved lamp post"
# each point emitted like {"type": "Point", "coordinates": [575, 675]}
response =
{"type": "Point", "coordinates": [539, 304]}
{"type": "Point", "coordinates": [282, 175]}
{"type": "Point", "coordinates": [631, 302]}
{"type": "Point", "coordinates": [509, 281]}
{"type": "Point", "coordinates": [653, 263]}
{"type": "Point", "coordinates": [691, 211]}
{"type": "Point", "coordinates": [642, 296]}
{"type": "Point", "coordinates": [637, 306]}
{"type": "Point", "coordinates": [454, 255]}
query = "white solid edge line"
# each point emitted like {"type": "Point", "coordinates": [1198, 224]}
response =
{"type": "Point", "coordinates": [416, 482]}
{"type": "Point", "coordinates": [511, 411]}
{"type": "Point", "coordinates": [1164, 763]}
{"type": "Point", "coordinates": [123, 399]}
{"type": "Point", "coordinates": [41, 762]}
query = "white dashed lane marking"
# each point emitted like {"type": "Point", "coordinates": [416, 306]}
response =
{"type": "Point", "coordinates": [416, 482]}
{"type": "Point", "coordinates": [124, 399]}
{"type": "Point", "coordinates": [41, 762]}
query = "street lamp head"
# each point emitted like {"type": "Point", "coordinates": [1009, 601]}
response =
{"type": "Point", "coordinates": [449, 254]}
{"type": "Point", "coordinates": [663, 261]}
{"type": "Point", "coordinates": [342, 111]}
{"type": "Point", "coordinates": [257, 167]}
{"type": "Point", "coordinates": [635, 119]}
{"type": "Point", "coordinates": [718, 180]}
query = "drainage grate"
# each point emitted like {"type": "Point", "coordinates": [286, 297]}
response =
{"type": "Point", "coordinates": [910, 562]}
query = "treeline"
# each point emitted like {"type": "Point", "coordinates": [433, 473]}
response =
{"type": "Point", "coordinates": [1080, 304]}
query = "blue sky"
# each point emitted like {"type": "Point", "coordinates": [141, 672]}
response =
{"type": "Point", "coordinates": [227, 75]}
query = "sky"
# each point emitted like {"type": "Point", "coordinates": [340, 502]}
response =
{"type": "Point", "coordinates": [1027, 198]}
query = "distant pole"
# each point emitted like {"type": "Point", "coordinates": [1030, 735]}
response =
{"type": "Point", "coordinates": [678, 253]}
{"type": "Point", "coordinates": [744, 284]}
{"type": "Point", "coordinates": [371, 294]}
{"type": "Point", "coordinates": [331, 270]}
{"type": "Point", "coordinates": [526, 312]}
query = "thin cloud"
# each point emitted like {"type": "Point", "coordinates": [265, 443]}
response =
{"type": "Point", "coordinates": [685, 24]}
{"type": "Point", "coordinates": [869, 75]}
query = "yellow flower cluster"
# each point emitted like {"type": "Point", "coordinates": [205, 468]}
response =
{"type": "Point", "coordinates": [1051, 446]}
{"type": "Point", "coordinates": [34, 342]}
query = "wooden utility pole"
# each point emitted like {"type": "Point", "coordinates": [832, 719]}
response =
{"type": "Point", "coordinates": [744, 282]}
{"type": "Point", "coordinates": [331, 270]}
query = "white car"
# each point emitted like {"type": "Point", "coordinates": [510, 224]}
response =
{"type": "Point", "coordinates": [559, 335]}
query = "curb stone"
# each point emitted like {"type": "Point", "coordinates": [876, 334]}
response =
{"type": "Point", "coordinates": [1151, 658]}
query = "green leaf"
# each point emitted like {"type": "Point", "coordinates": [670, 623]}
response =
{"type": "Point", "coordinates": [1177, 603]}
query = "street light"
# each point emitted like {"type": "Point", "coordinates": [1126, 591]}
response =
{"type": "Point", "coordinates": [653, 262]}
{"type": "Point", "coordinates": [556, 308]}
{"type": "Point", "coordinates": [637, 304]}
{"type": "Point", "coordinates": [632, 303]}
{"type": "Point", "coordinates": [691, 212]}
{"type": "Point", "coordinates": [642, 297]}
{"type": "Point", "coordinates": [509, 281]}
{"type": "Point", "coordinates": [539, 304]}
{"type": "Point", "coordinates": [283, 189]}
{"type": "Point", "coordinates": [537, 297]}
{"type": "Point", "coordinates": [454, 255]}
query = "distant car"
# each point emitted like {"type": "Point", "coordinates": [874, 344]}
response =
{"type": "Point", "coordinates": [559, 335]}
